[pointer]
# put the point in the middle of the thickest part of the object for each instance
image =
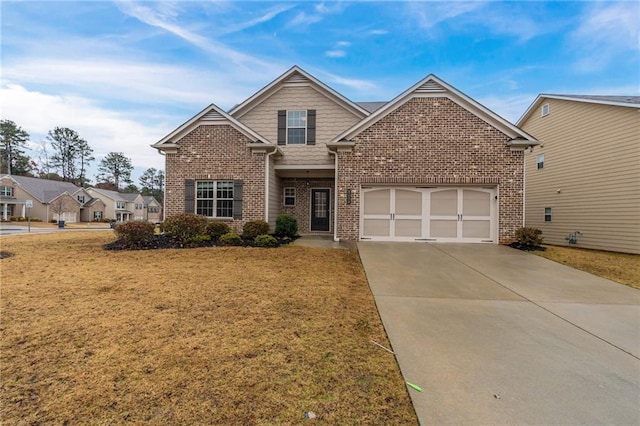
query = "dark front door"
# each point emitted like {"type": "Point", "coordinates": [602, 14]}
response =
{"type": "Point", "coordinates": [320, 209]}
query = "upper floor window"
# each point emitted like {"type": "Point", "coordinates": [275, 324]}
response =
{"type": "Point", "coordinates": [6, 191]}
{"type": "Point", "coordinates": [547, 214]}
{"type": "Point", "coordinates": [120, 205]}
{"type": "Point", "coordinates": [297, 127]}
{"type": "Point", "coordinates": [544, 110]}
{"type": "Point", "coordinates": [81, 198]}
{"type": "Point", "coordinates": [152, 209]}
{"type": "Point", "coordinates": [214, 198]}
{"type": "Point", "coordinates": [540, 161]}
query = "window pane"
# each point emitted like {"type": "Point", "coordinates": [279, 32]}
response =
{"type": "Point", "coordinates": [296, 136]}
{"type": "Point", "coordinates": [225, 190]}
{"type": "Point", "coordinates": [205, 189]}
{"type": "Point", "coordinates": [224, 208]}
{"type": "Point", "coordinates": [297, 118]}
{"type": "Point", "coordinates": [204, 207]}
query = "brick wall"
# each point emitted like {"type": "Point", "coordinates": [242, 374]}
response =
{"type": "Point", "coordinates": [216, 152]}
{"type": "Point", "coordinates": [302, 210]}
{"type": "Point", "coordinates": [431, 141]}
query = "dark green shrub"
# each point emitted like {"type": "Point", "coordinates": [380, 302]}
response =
{"type": "Point", "coordinates": [135, 233]}
{"type": "Point", "coordinates": [265, 241]}
{"type": "Point", "coordinates": [286, 226]}
{"type": "Point", "coordinates": [529, 237]}
{"type": "Point", "coordinates": [230, 239]}
{"type": "Point", "coordinates": [252, 229]}
{"type": "Point", "coordinates": [198, 239]}
{"type": "Point", "coordinates": [217, 229]}
{"type": "Point", "coordinates": [184, 226]}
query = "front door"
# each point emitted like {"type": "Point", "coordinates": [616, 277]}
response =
{"type": "Point", "coordinates": [320, 210]}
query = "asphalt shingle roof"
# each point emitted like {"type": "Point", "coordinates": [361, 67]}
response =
{"type": "Point", "coordinates": [42, 189]}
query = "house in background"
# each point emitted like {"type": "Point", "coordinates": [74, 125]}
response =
{"type": "Point", "coordinates": [52, 200]}
{"type": "Point", "coordinates": [430, 165]}
{"type": "Point", "coordinates": [153, 209]}
{"type": "Point", "coordinates": [583, 181]}
{"type": "Point", "coordinates": [120, 206]}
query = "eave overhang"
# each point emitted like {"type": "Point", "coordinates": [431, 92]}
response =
{"type": "Point", "coordinates": [341, 146]}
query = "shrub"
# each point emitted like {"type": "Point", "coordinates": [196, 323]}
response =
{"type": "Point", "coordinates": [135, 233]}
{"type": "Point", "coordinates": [184, 226]}
{"type": "Point", "coordinates": [252, 229]}
{"type": "Point", "coordinates": [198, 239]}
{"type": "Point", "coordinates": [216, 229]}
{"type": "Point", "coordinates": [286, 226]}
{"type": "Point", "coordinates": [266, 241]}
{"type": "Point", "coordinates": [230, 239]}
{"type": "Point", "coordinates": [529, 237]}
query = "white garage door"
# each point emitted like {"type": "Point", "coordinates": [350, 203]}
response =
{"type": "Point", "coordinates": [446, 214]}
{"type": "Point", "coordinates": [68, 217]}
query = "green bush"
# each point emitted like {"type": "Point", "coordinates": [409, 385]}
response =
{"type": "Point", "coordinates": [134, 233]}
{"type": "Point", "coordinates": [217, 229]}
{"type": "Point", "coordinates": [184, 226]}
{"type": "Point", "coordinates": [529, 237]}
{"type": "Point", "coordinates": [286, 226]}
{"type": "Point", "coordinates": [230, 239]}
{"type": "Point", "coordinates": [265, 241]}
{"type": "Point", "coordinates": [252, 229]}
{"type": "Point", "coordinates": [198, 239]}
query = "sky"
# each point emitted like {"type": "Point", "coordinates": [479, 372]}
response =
{"type": "Point", "coordinates": [124, 74]}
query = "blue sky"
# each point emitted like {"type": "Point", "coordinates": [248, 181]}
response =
{"type": "Point", "coordinates": [124, 74]}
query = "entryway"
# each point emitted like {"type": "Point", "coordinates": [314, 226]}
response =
{"type": "Point", "coordinates": [320, 209]}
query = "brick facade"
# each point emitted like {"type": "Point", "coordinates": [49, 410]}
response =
{"type": "Point", "coordinates": [216, 152]}
{"type": "Point", "coordinates": [302, 210]}
{"type": "Point", "coordinates": [431, 141]}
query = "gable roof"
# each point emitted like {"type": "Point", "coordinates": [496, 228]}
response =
{"type": "Point", "coordinates": [148, 199]}
{"type": "Point", "coordinates": [432, 86]}
{"type": "Point", "coordinates": [43, 190]}
{"type": "Point", "coordinates": [623, 101]}
{"type": "Point", "coordinates": [296, 76]}
{"type": "Point", "coordinates": [210, 115]}
{"type": "Point", "coordinates": [114, 195]}
{"type": "Point", "coordinates": [130, 196]}
{"type": "Point", "coordinates": [372, 106]}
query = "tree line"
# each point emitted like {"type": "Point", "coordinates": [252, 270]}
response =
{"type": "Point", "coordinates": [66, 156]}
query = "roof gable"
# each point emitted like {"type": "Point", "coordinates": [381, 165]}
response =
{"type": "Point", "coordinates": [432, 86]}
{"type": "Point", "coordinates": [211, 115]}
{"type": "Point", "coordinates": [43, 190]}
{"type": "Point", "coordinates": [296, 76]}
{"type": "Point", "coordinates": [622, 101]}
{"type": "Point", "coordinates": [113, 195]}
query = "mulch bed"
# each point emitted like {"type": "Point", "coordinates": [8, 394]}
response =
{"type": "Point", "coordinates": [526, 247]}
{"type": "Point", "coordinates": [165, 242]}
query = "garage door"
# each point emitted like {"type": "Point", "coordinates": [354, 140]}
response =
{"type": "Point", "coordinates": [445, 214]}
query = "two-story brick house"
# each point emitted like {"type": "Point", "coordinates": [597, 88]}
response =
{"type": "Point", "coordinates": [430, 165]}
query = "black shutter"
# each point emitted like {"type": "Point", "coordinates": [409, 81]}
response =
{"type": "Point", "coordinates": [311, 127]}
{"type": "Point", "coordinates": [189, 195]}
{"type": "Point", "coordinates": [282, 127]}
{"type": "Point", "coordinates": [237, 199]}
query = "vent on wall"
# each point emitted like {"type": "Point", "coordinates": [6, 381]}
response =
{"type": "Point", "coordinates": [212, 115]}
{"type": "Point", "coordinates": [544, 110]}
{"type": "Point", "coordinates": [297, 78]}
{"type": "Point", "coordinates": [430, 87]}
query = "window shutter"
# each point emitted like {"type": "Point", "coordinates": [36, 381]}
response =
{"type": "Point", "coordinates": [189, 195]}
{"type": "Point", "coordinates": [237, 199]}
{"type": "Point", "coordinates": [311, 127]}
{"type": "Point", "coordinates": [282, 127]}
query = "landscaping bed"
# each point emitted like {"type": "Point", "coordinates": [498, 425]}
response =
{"type": "Point", "coordinates": [164, 241]}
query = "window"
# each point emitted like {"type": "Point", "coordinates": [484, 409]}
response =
{"type": "Point", "coordinates": [296, 127]}
{"type": "Point", "coordinates": [214, 198]}
{"type": "Point", "coordinates": [152, 209]}
{"type": "Point", "coordinates": [81, 198]}
{"type": "Point", "coordinates": [547, 214]}
{"type": "Point", "coordinates": [120, 205]}
{"type": "Point", "coordinates": [541, 161]}
{"type": "Point", "coordinates": [544, 110]}
{"type": "Point", "coordinates": [289, 196]}
{"type": "Point", "coordinates": [97, 215]}
{"type": "Point", "coordinates": [138, 206]}
{"type": "Point", "coordinates": [6, 191]}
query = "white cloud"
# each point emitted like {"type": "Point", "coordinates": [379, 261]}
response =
{"type": "Point", "coordinates": [378, 32]}
{"type": "Point", "coordinates": [303, 19]}
{"type": "Point", "coordinates": [351, 83]}
{"type": "Point", "coordinates": [509, 107]}
{"type": "Point", "coordinates": [430, 14]}
{"type": "Point", "coordinates": [343, 43]}
{"type": "Point", "coordinates": [335, 53]}
{"type": "Point", "coordinates": [268, 16]}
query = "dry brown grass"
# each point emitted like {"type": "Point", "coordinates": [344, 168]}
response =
{"type": "Point", "coordinates": [619, 267]}
{"type": "Point", "coordinates": [197, 336]}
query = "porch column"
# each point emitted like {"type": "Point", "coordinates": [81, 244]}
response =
{"type": "Point", "coordinates": [24, 210]}
{"type": "Point", "coordinates": [4, 211]}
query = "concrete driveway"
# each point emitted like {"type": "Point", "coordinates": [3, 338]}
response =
{"type": "Point", "coordinates": [498, 336]}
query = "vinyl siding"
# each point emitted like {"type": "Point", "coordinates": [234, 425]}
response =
{"type": "Point", "coordinates": [592, 157]}
{"type": "Point", "coordinates": [331, 120]}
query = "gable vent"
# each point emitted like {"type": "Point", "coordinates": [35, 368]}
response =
{"type": "Point", "coordinates": [430, 87]}
{"type": "Point", "coordinates": [212, 115]}
{"type": "Point", "coordinates": [297, 78]}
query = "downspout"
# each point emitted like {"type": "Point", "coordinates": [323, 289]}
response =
{"type": "Point", "coordinates": [164, 191]}
{"type": "Point", "coordinates": [335, 196]}
{"type": "Point", "coordinates": [524, 186]}
{"type": "Point", "coordinates": [266, 183]}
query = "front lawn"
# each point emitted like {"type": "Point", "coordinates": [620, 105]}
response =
{"type": "Point", "coordinates": [190, 336]}
{"type": "Point", "coordinates": [620, 267]}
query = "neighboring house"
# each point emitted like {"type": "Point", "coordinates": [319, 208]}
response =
{"type": "Point", "coordinates": [120, 206]}
{"type": "Point", "coordinates": [153, 209]}
{"type": "Point", "coordinates": [430, 165]}
{"type": "Point", "coordinates": [52, 200]}
{"type": "Point", "coordinates": [583, 181]}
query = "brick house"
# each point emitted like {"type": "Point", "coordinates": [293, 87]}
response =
{"type": "Point", "coordinates": [430, 165]}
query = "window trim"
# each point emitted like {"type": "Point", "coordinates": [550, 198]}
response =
{"type": "Point", "coordinates": [540, 161]}
{"type": "Point", "coordinates": [80, 198]}
{"type": "Point", "coordinates": [306, 122]}
{"type": "Point", "coordinates": [285, 196]}
{"type": "Point", "coordinates": [548, 214]}
{"type": "Point", "coordinates": [3, 191]}
{"type": "Point", "coordinates": [545, 109]}
{"type": "Point", "coordinates": [214, 190]}
{"type": "Point", "coordinates": [121, 203]}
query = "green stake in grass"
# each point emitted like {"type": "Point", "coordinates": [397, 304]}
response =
{"type": "Point", "coordinates": [416, 387]}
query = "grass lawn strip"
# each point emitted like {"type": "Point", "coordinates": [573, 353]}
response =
{"type": "Point", "coordinates": [197, 336]}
